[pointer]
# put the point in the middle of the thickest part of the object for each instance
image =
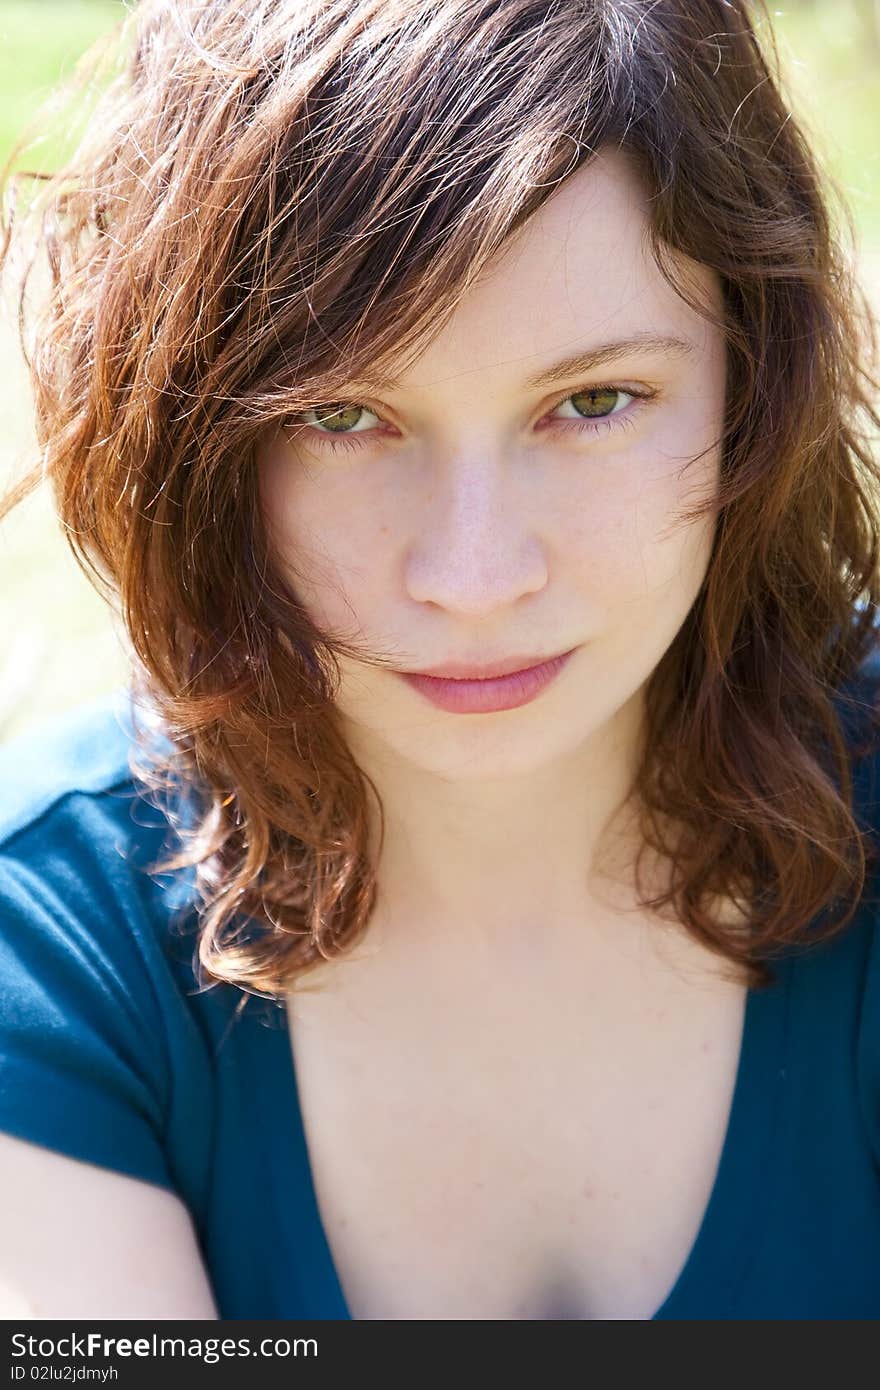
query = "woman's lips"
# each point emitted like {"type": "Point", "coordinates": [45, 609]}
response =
{"type": "Point", "coordinates": [488, 696]}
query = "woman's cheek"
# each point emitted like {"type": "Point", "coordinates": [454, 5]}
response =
{"type": "Point", "coordinates": [625, 528]}
{"type": "Point", "coordinates": [673, 551]}
{"type": "Point", "coordinates": [295, 518]}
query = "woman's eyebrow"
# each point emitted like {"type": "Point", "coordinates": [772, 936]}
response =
{"type": "Point", "coordinates": [601, 355]}
{"type": "Point", "coordinates": [586, 360]}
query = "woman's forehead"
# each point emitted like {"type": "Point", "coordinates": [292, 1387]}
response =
{"type": "Point", "coordinates": [576, 280]}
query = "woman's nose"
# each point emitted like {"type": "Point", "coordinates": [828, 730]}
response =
{"type": "Point", "coordinates": [476, 547]}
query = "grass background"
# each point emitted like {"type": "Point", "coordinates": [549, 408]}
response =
{"type": "Point", "coordinates": [59, 648]}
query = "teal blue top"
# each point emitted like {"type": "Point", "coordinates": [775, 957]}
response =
{"type": "Point", "coordinates": [109, 1053]}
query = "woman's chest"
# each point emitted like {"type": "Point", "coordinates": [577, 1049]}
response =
{"type": "Point", "coordinates": [546, 1157]}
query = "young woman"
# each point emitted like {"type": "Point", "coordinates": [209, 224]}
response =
{"type": "Point", "coordinates": [467, 407]}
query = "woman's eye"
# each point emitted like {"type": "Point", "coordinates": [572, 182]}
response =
{"type": "Point", "coordinates": [596, 403]}
{"type": "Point", "coordinates": [340, 417]}
{"type": "Point", "coordinates": [338, 423]}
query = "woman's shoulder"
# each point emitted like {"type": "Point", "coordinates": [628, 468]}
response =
{"type": "Point", "coordinates": [78, 831]}
{"type": "Point", "coordinates": [83, 752]}
{"type": "Point", "coordinates": [103, 1030]}
{"type": "Point", "coordinates": [857, 697]}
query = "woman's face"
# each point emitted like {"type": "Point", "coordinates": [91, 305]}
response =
{"type": "Point", "coordinates": [476, 512]}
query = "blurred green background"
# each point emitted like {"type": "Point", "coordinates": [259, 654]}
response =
{"type": "Point", "coordinates": [59, 648]}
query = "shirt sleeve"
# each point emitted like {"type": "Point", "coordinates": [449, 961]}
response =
{"type": "Point", "coordinates": [82, 1064]}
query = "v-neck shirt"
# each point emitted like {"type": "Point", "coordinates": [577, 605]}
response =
{"type": "Point", "coordinates": [110, 1053]}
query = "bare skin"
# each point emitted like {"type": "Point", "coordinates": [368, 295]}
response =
{"type": "Point", "coordinates": [516, 1093]}
{"type": "Point", "coordinates": [517, 1139]}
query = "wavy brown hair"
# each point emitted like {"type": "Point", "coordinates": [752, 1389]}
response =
{"type": "Point", "coordinates": [272, 196]}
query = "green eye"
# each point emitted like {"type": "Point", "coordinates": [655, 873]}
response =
{"type": "Point", "coordinates": [338, 417]}
{"type": "Point", "coordinates": [595, 403]}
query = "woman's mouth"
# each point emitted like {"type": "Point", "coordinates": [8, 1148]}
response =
{"type": "Point", "coordinates": [487, 696]}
